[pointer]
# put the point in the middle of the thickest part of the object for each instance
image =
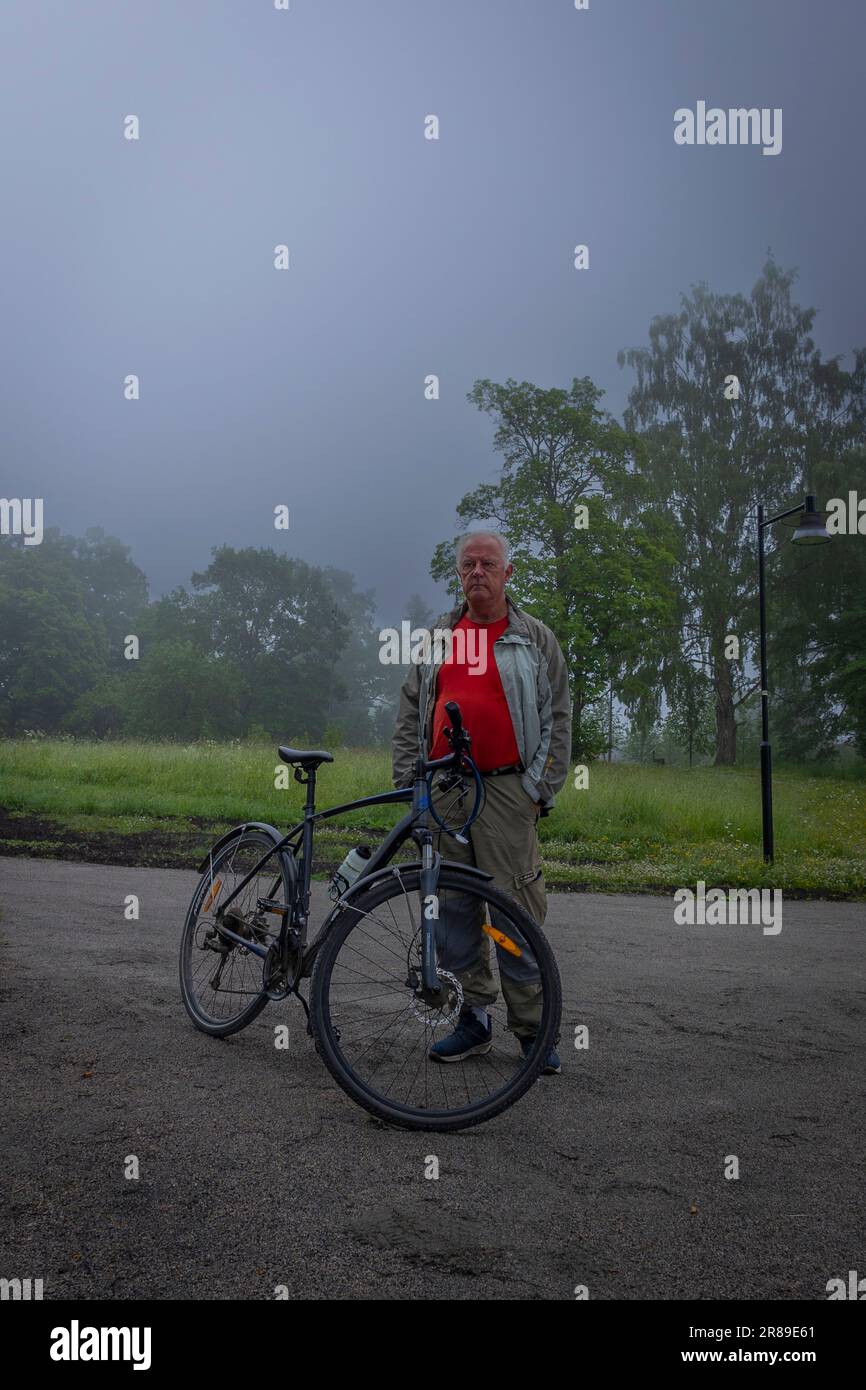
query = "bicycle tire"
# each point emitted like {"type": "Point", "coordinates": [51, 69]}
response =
{"type": "Point", "coordinates": [208, 1023]}
{"type": "Point", "coordinates": [406, 881]}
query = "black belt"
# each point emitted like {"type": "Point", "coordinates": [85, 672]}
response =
{"type": "Point", "coordinates": [500, 771]}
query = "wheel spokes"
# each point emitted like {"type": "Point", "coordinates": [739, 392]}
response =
{"type": "Point", "coordinates": [384, 1028]}
{"type": "Point", "coordinates": [225, 976]}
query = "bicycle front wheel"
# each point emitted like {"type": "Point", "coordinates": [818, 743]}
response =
{"type": "Point", "coordinates": [380, 1037]}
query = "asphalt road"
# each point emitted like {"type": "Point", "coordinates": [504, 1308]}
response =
{"type": "Point", "coordinates": [256, 1171]}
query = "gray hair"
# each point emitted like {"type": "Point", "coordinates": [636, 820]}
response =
{"type": "Point", "coordinates": [468, 536]}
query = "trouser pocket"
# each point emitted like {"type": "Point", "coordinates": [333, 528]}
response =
{"type": "Point", "coordinates": [529, 890]}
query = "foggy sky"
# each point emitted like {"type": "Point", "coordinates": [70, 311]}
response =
{"type": "Point", "coordinates": [408, 256]}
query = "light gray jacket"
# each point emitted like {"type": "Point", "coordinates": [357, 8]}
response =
{"type": "Point", "coordinates": [535, 683]}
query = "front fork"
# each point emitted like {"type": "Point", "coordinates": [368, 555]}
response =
{"type": "Point", "coordinates": [431, 861]}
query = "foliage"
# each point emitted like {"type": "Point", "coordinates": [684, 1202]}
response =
{"type": "Point", "coordinates": [711, 458]}
{"type": "Point", "coordinates": [603, 587]}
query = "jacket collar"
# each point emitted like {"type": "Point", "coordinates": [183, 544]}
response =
{"type": "Point", "coordinates": [515, 617]}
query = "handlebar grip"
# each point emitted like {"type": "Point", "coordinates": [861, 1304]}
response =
{"type": "Point", "coordinates": [452, 709]}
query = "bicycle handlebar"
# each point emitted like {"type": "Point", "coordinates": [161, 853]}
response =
{"type": "Point", "coordinates": [458, 760]}
{"type": "Point", "coordinates": [460, 740]}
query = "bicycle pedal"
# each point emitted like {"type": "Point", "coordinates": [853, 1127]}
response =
{"type": "Point", "coordinates": [272, 905]}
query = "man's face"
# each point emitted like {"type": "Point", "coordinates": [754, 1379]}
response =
{"type": "Point", "coordinates": [482, 573]}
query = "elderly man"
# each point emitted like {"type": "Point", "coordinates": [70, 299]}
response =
{"type": "Point", "coordinates": [517, 707]}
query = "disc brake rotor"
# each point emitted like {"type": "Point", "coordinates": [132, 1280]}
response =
{"type": "Point", "coordinates": [447, 1005]}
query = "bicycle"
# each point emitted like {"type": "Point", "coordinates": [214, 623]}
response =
{"type": "Point", "coordinates": [385, 976]}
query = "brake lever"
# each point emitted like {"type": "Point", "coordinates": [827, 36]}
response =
{"type": "Point", "coordinates": [449, 780]}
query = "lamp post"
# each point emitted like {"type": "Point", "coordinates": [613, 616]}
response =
{"type": "Point", "coordinates": [810, 531]}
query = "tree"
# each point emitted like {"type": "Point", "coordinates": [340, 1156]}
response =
{"type": "Point", "coordinates": [276, 620]}
{"type": "Point", "coordinates": [114, 588]}
{"type": "Point", "coordinates": [103, 711]}
{"type": "Point", "coordinates": [642, 737]}
{"type": "Point", "coordinates": [735, 405]}
{"type": "Point", "coordinates": [816, 629]}
{"type": "Point", "coordinates": [65, 607]}
{"type": "Point", "coordinates": [591, 559]}
{"type": "Point", "coordinates": [50, 650]}
{"type": "Point", "coordinates": [690, 722]}
{"type": "Point", "coordinates": [362, 708]}
{"type": "Point", "coordinates": [849, 678]}
{"type": "Point", "coordinates": [177, 692]}
{"type": "Point", "coordinates": [48, 657]}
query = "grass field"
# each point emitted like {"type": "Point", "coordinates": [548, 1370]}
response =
{"type": "Point", "coordinates": [634, 828]}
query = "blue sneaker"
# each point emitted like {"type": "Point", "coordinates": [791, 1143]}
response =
{"type": "Point", "coordinates": [552, 1065]}
{"type": "Point", "coordinates": [468, 1039]}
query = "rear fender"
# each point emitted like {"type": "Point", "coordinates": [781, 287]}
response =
{"type": "Point", "coordinates": [286, 857]}
{"type": "Point", "coordinates": [269, 830]}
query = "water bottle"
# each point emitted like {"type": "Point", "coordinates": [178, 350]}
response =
{"type": "Point", "coordinates": [351, 868]}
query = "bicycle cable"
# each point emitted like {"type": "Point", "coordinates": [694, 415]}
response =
{"type": "Point", "coordinates": [477, 805]}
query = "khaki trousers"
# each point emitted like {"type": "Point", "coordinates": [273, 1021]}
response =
{"type": "Point", "coordinates": [504, 843]}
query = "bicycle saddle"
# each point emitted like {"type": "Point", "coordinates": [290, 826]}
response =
{"type": "Point", "coordinates": [310, 759]}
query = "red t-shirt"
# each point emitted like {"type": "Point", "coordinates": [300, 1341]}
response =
{"type": "Point", "coordinates": [470, 676]}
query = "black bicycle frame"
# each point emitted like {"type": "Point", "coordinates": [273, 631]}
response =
{"type": "Point", "coordinates": [296, 915]}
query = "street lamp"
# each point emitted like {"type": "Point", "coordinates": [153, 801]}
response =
{"type": "Point", "coordinates": [810, 530]}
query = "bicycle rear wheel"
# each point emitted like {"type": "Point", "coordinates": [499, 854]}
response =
{"type": "Point", "coordinates": [220, 980]}
{"type": "Point", "coordinates": [374, 1029]}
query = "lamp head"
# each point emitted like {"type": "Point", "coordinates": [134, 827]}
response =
{"type": "Point", "coordinates": [810, 526]}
